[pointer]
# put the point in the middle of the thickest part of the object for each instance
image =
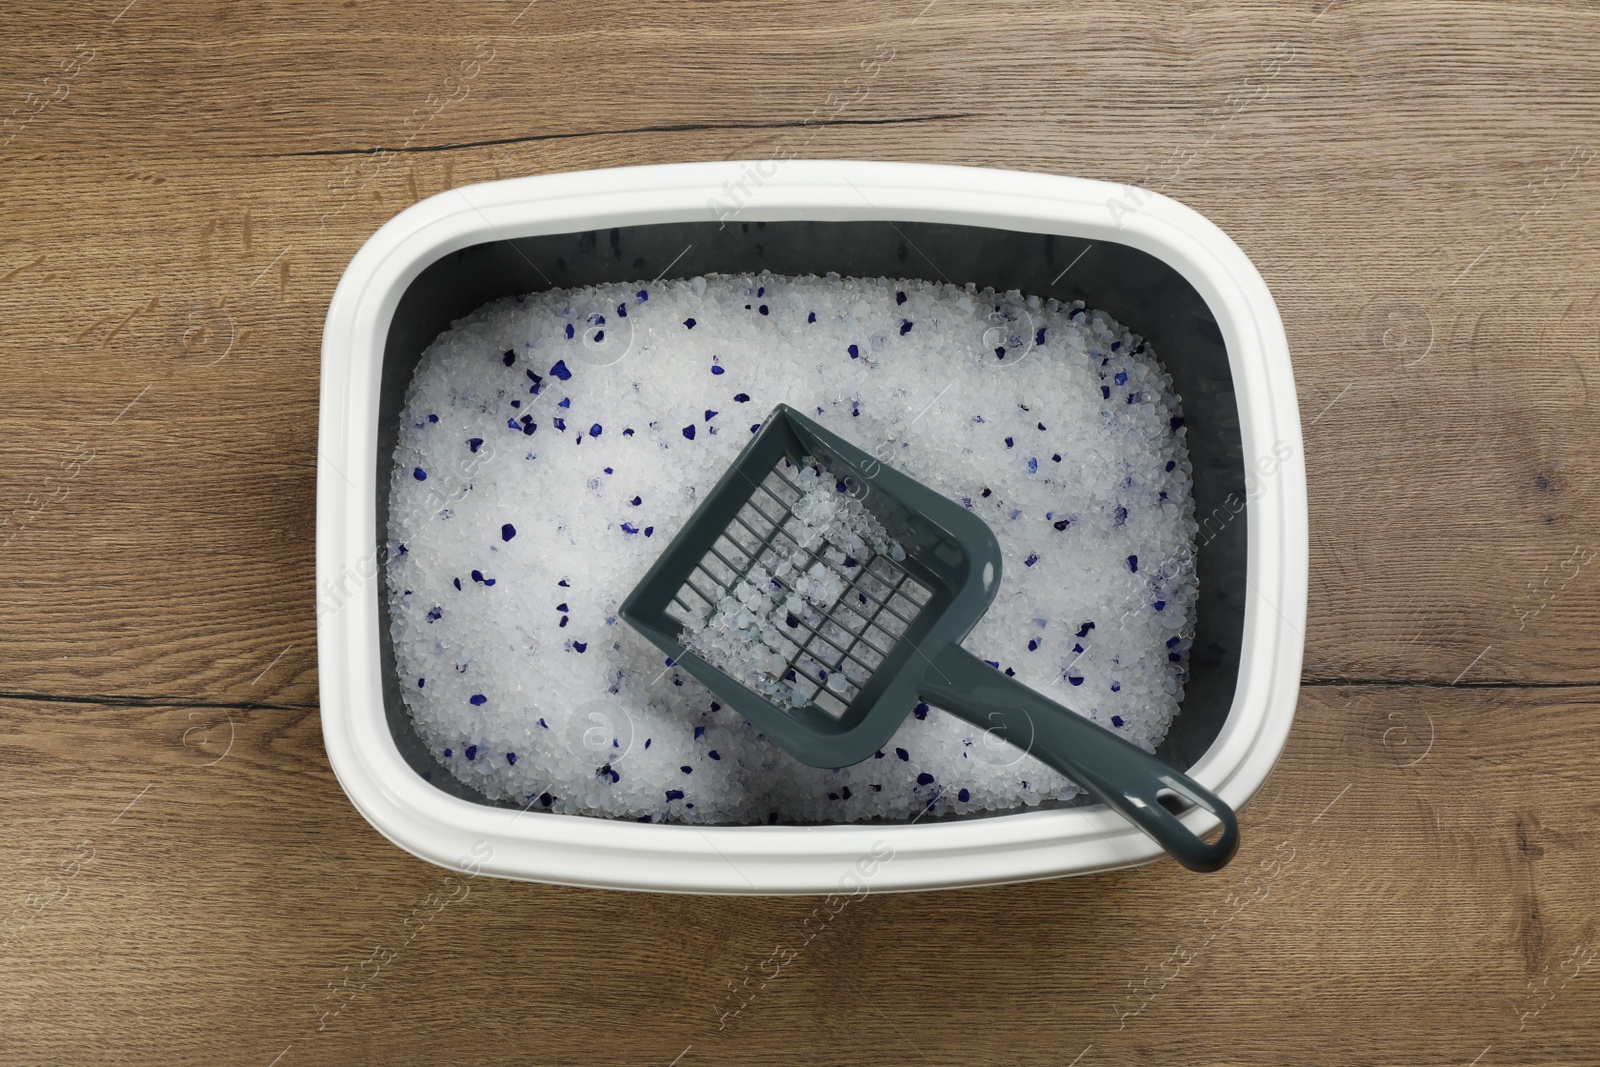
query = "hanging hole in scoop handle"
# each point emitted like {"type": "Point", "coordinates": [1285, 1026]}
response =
{"type": "Point", "coordinates": [1178, 796]}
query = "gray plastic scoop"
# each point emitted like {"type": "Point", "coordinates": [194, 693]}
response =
{"type": "Point", "coordinates": [889, 634]}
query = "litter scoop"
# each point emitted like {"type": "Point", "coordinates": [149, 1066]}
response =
{"type": "Point", "coordinates": [822, 594]}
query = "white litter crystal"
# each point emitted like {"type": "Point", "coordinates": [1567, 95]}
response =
{"type": "Point", "coordinates": [552, 444]}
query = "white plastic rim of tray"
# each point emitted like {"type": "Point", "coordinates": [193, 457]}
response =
{"type": "Point", "coordinates": [844, 858]}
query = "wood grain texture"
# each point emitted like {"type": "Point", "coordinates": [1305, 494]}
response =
{"type": "Point", "coordinates": [184, 183]}
{"type": "Point", "coordinates": [1422, 859]}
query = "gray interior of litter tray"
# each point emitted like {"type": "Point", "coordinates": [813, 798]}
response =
{"type": "Point", "coordinates": [1141, 291]}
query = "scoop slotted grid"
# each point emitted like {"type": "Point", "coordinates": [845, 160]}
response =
{"type": "Point", "coordinates": [830, 650]}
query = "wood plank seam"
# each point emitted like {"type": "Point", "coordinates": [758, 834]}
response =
{"type": "Point", "coordinates": [687, 127]}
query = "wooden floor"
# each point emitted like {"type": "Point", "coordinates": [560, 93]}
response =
{"type": "Point", "coordinates": [182, 880]}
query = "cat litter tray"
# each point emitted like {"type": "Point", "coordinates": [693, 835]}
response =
{"type": "Point", "coordinates": [1155, 265]}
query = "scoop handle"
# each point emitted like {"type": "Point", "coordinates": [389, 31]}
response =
{"type": "Point", "coordinates": [1118, 772]}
